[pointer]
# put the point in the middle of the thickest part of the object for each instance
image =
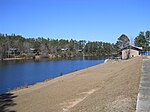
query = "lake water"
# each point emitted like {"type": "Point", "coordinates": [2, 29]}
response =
{"type": "Point", "coordinates": [146, 53]}
{"type": "Point", "coordinates": [14, 74]}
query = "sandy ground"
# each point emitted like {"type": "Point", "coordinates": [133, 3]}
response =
{"type": "Point", "coordinates": [109, 87]}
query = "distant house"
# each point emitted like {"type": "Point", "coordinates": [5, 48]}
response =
{"type": "Point", "coordinates": [66, 49]}
{"type": "Point", "coordinates": [130, 51]}
{"type": "Point", "coordinates": [79, 50]}
{"type": "Point", "coordinates": [13, 51]}
{"type": "Point", "coordinates": [62, 49]}
{"type": "Point", "coordinates": [32, 50]}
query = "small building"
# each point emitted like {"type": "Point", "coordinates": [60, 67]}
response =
{"type": "Point", "coordinates": [66, 49]}
{"type": "Point", "coordinates": [130, 51]}
{"type": "Point", "coordinates": [13, 51]}
{"type": "Point", "coordinates": [79, 50]}
{"type": "Point", "coordinates": [32, 50]}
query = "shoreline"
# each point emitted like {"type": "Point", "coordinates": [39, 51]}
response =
{"type": "Point", "coordinates": [49, 57]}
{"type": "Point", "coordinates": [47, 80]}
{"type": "Point", "coordinates": [26, 85]}
{"type": "Point", "coordinates": [11, 59]}
{"type": "Point", "coordinates": [80, 90]}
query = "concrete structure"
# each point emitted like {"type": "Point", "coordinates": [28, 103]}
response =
{"type": "Point", "coordinates": [143, 99]}
{"type": "Point", "coordinates": [130, 51]}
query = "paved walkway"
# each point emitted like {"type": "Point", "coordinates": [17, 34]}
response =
{"type": "Point", "coordinates": [143, 100]}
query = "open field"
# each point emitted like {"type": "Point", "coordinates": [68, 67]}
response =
{"type": "Point", "coordinates": [102, 88]}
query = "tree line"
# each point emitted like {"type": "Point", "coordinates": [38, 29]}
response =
{"type": "Point", "coordinates": [19, 46]}
{"type": "Point", "coordinates": [143, 40]}
{"type": "Point", "coordinates": [58, 47]}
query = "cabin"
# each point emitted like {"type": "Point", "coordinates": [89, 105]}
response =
{"type": "Point", "coordinates": [32, 50]}
{"type": "Point", "coordinates": [130, 51]}
{"type": "Point", "coordinates": [65, 49]}
{"type": "Point", "coordinates": [79, 50]}
{"type": "Point", "coordinates": [13, 51]}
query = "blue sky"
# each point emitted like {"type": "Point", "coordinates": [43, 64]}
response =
{"type": "Point", "coordinates": [94, 20]}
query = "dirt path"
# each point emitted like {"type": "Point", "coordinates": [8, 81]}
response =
{"type": "Point", "coordinates": [102, 88]}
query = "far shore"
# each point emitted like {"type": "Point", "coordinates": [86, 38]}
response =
{"type": "Point", "coordinates": [111, 86]}
{"type": "Point", "coordinates": [50, 57]}
{"type": "Point", "coordinates": [9, 59]}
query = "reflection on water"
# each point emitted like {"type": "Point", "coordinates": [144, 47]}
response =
{"type": "Point", "coordinates": [19, 73]}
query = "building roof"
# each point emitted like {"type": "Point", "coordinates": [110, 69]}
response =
{"type": "Point", "coordinates": [12, 49]}
{"type": "Point", "coordinates": [132, 47]}
{"type": "Point", "coordinates": [32, 49]}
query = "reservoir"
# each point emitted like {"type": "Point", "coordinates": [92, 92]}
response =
{"type": "Point", "coordinates": [14, 74]}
